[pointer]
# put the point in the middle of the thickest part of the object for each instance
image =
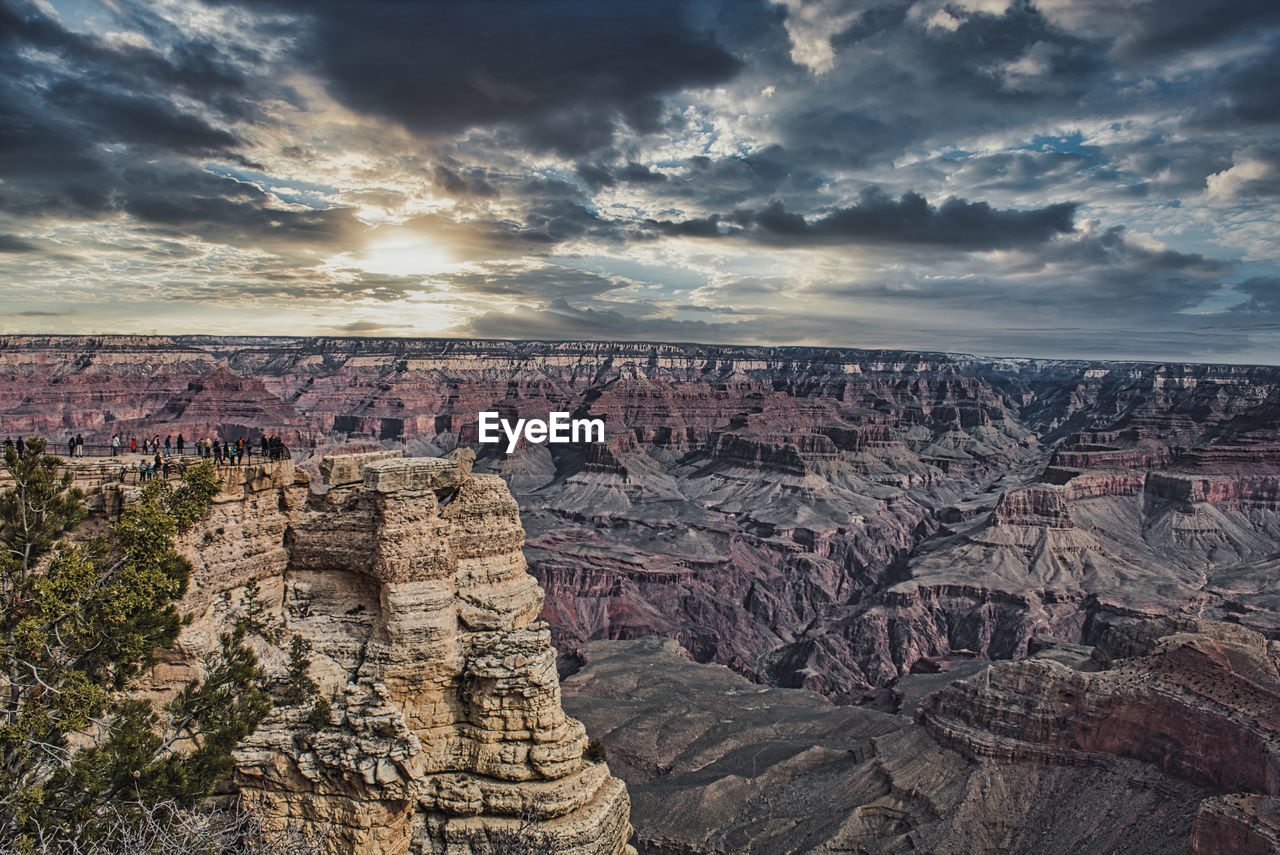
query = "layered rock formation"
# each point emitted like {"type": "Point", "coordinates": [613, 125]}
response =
{"type": "Point", "coordinates": [716, 764]}
{"type": "Point", "coordinates": [826, 519]}
{"type": "Point", "coordinates": [1163, 738]}
{"type": "Point", "coordinates": [811, 517]}
{"type": "Point", "coordinates": [445, 728]}
{"type": "Point", "coordinates": [1198, 699]}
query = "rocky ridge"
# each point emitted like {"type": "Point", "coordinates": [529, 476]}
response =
{"type": "Point", "coordinates": [716, 764]}
{"type": "Point", "coordinates": [828, 519]}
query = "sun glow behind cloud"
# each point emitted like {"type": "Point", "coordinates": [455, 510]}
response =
{"type": "Point", "coordinates": [401, 255]}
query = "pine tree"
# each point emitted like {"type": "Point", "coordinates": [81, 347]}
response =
{"type": "Point", "coordinates": [300, 688]}
{"type": "Point", "coordinates": [78, 622]}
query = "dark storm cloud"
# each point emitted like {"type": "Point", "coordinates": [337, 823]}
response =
{"type": "Point", "coordinates": [1264, 293]}
{"type": "Point", "coordinates": [191, 64]}
{"type": "Point", "coordinates": [901, 81]}
{"type": "Point", "coordinates": [543, 283]}
{"type": "Point", "coordinates": [553, 221]}
{"type": "Point", "coordinates": [879, 219]}
{"type": "Point", "coordinates": [565, 73]}
{"type": "Point", "coordinates": [545, 221]}
{"type": "Point", "coordinates": [136, 119]}
{"type": "Point", "coordinates": [560, 320]}
{"type": "Point", "coordinates": [1242, 96]}
{"type": "Point", "coordinates": [274, 282]}
{"type": "Point", "coordinates": [361, 327]}
{"type": "Point", "coordinates": [470, 182]}
{"type": "Point", "coordinates": [1022, 171]}
{"type": "Point", "coordinates": [1091, 281]}
{"type": "Point", "coordinates": [96, 93]}
{"type": "Point", "coordinates": [1158, 28]}
{"type": "Point", "coordinates": [597, 175]}
{"type": "Point", "coordinates": [224, 210]}
{"type": "Point", "coordinates": [837, 136]}
{"type": "Point", "coordinates": [84, 119]}
{"type": "Point", "coordinates": [1110, 249]}
{"type": "Point", "coordinates": [671, 146]}
{"type": "Point", "coordinates": [1254, 87]}
{"type": "Point", "coordinates": [717, 183]}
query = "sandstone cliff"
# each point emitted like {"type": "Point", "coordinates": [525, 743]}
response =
{"type": "Point", "coordinates": [408, 580]}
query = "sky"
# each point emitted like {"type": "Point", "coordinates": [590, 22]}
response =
{"type": "Point", "coordinates": [1059, 178]}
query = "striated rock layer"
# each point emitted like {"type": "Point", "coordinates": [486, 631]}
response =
{"type": "Point", "coordinates": [823, 518]}
{"type": "Point", "coordinates": [1162, 739]}
{"type": "Point", "coordinates": [1200, 700]}
{"type": "Point", "coordinates": [717, 765]}
{"type": "Point", "coordinates": [408, 580]}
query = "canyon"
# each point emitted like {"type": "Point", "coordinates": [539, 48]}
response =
{"type": "Point", "coordinates": [811, 518]}
{"type": "Point", "coordinates": [837, 528]}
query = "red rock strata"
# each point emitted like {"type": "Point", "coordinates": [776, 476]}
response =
{"type": "Point", "coordinates": [1198, 699]}
{"type": "Point", "coordinates": [815, 517]}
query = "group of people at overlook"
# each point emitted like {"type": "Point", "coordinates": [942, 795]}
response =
{"type": "Point", "coordinates": [157, 453]}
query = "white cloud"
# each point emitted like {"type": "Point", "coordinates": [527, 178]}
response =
{"type": "Point", "coordinates": [810, 25]}
{"type": "Point", "coordinates": [1030, 69]}
{"type": "Point", "coordinates": [1246, 173]}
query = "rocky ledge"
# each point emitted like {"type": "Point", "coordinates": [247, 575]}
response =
{"type": "Point", "coordinates": [445, 726]}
